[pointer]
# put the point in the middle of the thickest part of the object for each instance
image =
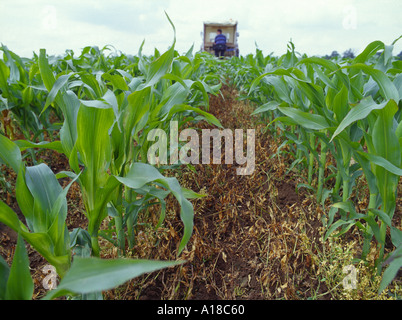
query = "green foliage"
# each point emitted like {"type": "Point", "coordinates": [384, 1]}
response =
{"type": "Point", "coordinates": [348, 107]}
{"type": "Point", "coordinates": [98, 108]}
{"type": "Point", "coordinates": [104, 107]}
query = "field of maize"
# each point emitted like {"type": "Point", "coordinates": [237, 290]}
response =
{"type": "Point", "coordinates": [84, 215]}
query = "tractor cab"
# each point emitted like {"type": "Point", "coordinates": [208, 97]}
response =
{"type": "Point", "coordinates": [229, 29]}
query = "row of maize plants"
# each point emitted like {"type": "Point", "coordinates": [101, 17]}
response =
{"type": "Point", "coordinates": [340, 120]}
{"type": "Point", "coordinates": [103, 109]}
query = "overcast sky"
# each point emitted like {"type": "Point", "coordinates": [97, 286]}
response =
{"type": "Point", "coordinates": [316, 27]}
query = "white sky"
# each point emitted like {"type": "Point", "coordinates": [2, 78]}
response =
{"type": "Point", "coordinates": [316, 27]}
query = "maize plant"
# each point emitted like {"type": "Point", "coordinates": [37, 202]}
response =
{"type": "Point", "coordinates": [44, 206]}
{"type": "Point", "coordinates": [105, 132]}
{"type": "Point", "coordinates": [85, 277]}
{"type": "Point", "coordinates": [350, 109]}
{"type": "Point", "coordinates": [106, 114]}
{"type": "Point", "coordinates": [21, 99]}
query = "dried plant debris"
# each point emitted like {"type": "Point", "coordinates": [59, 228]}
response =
{"type": "Point", "coordinates": [254, 237]}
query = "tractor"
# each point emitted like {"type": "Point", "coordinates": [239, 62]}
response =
{"type": "Point", "coordinates": [229, 29]}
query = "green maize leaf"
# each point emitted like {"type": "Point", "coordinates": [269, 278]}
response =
{"type": "Point", "coordinates": [361, 111]}
{"type": "Point", "coordinates": [176, 78]}
{"type": "Point", "coordinates": [382, 162]}
{"type": "Point", "coordinates": [284, 120]}
{"type": "Point", "coordinates": [34, 68]}
{"type": "Point", "coordinates": [292, 72]}
{"type": "Point", "coordinates": [50, 208]}
{"type": "Point", "coordinates": [397, 65]}
{"type": "Point", "coordinates": [370, 50]}
{"type": "Point", "coordinates": [173, 95]}
{"type": "Point", "coordinates": [54, 145]}
{"type": "Point", "coordinates": [328, 64]}
{"type": "Point", "coordinates": [95, 150]}
{"type": "Point", "coordinates": [269, 106]}
{"type": "Point", "coordinates": [396, 236]}
{"type": "Point", "coordinates": [125, 74]}
{"type": "Point", "coordinates": [280, 86]}
{"type": "Point", "coordinates": [88, 275]}
{"type": "Point", "coordinates": [209, 87]}
{"type": "Point", "coordinates": [27, 95]}
{"type": "Point", "coordinates": [68, 133]}
{"type": "Point", "coordinates": [256, 81]}
{"type": "Point", "coordinates": [10, 154]}
{"type": "Point", "coordinates": [305, 119]}
{"type": "Point", "coordinates": [20, 285]}
{"type": "Point", "coordinates": [25, 200]}
{"type": "Point", "coordinates": [390, 273]}
{"type": "Point", "coordinates": [93, 141]}
{"type": "Point", "coordinates": [398, 82]}
{"type": "Point", "coordinates": [9, 217]}
{"type": "Point", "coordinates": [387, 87]}
{"type": "Point", "coordinates": [66, 174]}
{"type": "Point", "coordinates": [120, 149]}
{"type": "Point", "coordinates": [58, 85]}
{"type": "Point", "coordinates": [117, 81]}
{"type": "Point", "coordinates": [348, 206]}
{"type": "Point", "coordinates": [386, 57]}
{"type": "Point", "coordinates": [340, 104]}
{"type": "Point", "coordinates": [366, 167]}
{"type": "Point", "coordinates": [45, 189]}
{"type": "Point", "coordinates": [58, 228]}
{"type": "Point", "coordinates": [79, 237]}
{"type": "Point", "coordinates": [3, 104]}
{"type": "Point", "coordinates": [134, 84]}
{"type": "Point", "coordinates": [329, 98]}
{"type": "Point", "coordinates": [149, 193]}
{"type": "Point", "coordinates": [107, 101]}
{"type": "Point", "coordinates": [4, 74]}
{"type": "Point", "coordinates": [4, 273]}
{"type": "Point", "coordinates": [190, 194]}
{"type": "Point", "coordinates": [353, 216]}
{"type": "Point", "coordinates": [45, 70]}
{"type": "Point", "coordinates": [313, 92]}
{"type": "Point", "coordinates": [387, 146]}
{"type": "Point", "coordinates": [375, 229]}
{"type": "Point", "coordinates": [68, 103]}
{"type": "Point", "coordinates": [45, 246]}
{"type": "Point", "coordinates": [43, 210]}
{"type": "Point", "coordinates": [384, 217]}
{"type": "Point", "coordinates": [159, 67]}
{"type": "Point", "coordinates": [137, 112]}
{"type": "Point", "coordinates": [100, 104]}
{"type": "Point", "coordinates": [186, 66]}
{"type": "Point", "coordinates": [338, 224]}
{"type": "Point", "coordinates": [141, 174]}
{"type": "Point", "coordinates": [204, 88]}
{"type": "Point", "coordinates": [396, 40]}
{"type": "Point", "coordinates": [14, 71]}
{"type": "Point", "coordinates": [111, 99]}
{"type": "Point", "coordinates": [80, 243]}
{"type": "Point", "coordinates": [182, 107]}
{"type": "Point", "coordinates": [325, 78]}
{"type": "Point", "coordinates": [40, 87]}
{"type": "Point", "coordinates": [91, 81]}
